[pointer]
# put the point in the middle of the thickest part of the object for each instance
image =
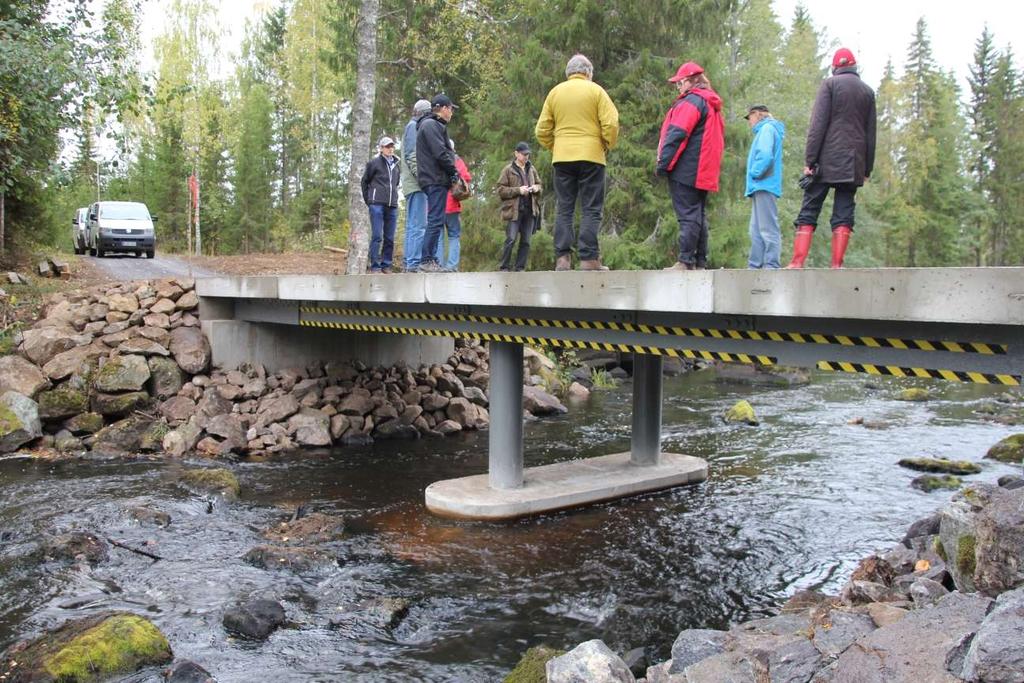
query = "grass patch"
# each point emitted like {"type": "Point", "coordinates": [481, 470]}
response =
{"type": "Point", "coordinates": [602, 379]}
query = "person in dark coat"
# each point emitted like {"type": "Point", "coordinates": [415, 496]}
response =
{"type": "Point", "coordinates": [690, 155]}
{"type": "Point", "coordinates": [840, 155]}
{"type": "Point", "coordinates": [380, 192]}
{"type": "Point", "coordinates": [519, 188]}
{"type": "Point", "coordinates": [436, 174]}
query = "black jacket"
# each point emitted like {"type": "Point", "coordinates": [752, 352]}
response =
{"type": "Point", "coordinates": [435, 160]}
{"type": "Point", "coordinates": [841, 137]}
{"type": "Point", "coordinates": [380, 182]}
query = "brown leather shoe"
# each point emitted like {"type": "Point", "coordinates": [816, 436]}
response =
{"type": "Point", "coordinates": [594, 264]}
{"type": "Point", "coordinates": [564, 262]}
{"type": "Point", "coordinates": [679, 265]}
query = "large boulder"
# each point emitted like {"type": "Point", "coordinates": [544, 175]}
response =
{"type": "Point", "coordinates": [129, 436]}
{"type": "Point", "coordinates": [118, 405]}
{"type": "Point", "coordinates": [995, 653]}
{"type": "Point", "coordinates": [63, 402]}
{"type": "Point", "coordinates": [190, 349]}
{"type": "Point", "coordinates": [102, 647]}
{"type": "Point", "coordinates": [358, 403]}
{"type": "Point", "coordinates": [20, 376]}
{"type": "Point", "coordinates": [1010, 450]}
{"type": "Point", "coordinates": [589, 662]}
{"type": "Point", "coordinates": [229, 428]}
{"type": "Point", "coordinates": [276, 409]}
{"type": "Point", "coordinates": [123, 373]}
{"type": "Point", "coordinates": [41, 345]}
{"type": "Point", "coordinates": [19, 421]}
{"type": "Point", "coordinates": [166, 378]}
{"type": "Point", "coordinates": [538, 402]}
{"type": "Point", "coordinates": [311, 426]}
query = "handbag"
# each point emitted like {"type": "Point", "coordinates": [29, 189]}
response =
{"type": "Point", "coordinates": [461, 190]}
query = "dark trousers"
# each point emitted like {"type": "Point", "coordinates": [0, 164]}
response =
{"type": "Point", "coordinates": [437, 198]}
{"type": "Point", "coordinates": [523, 229]}
{"type": "Point", "coordinates": [689, 203]}
{"type": "Point", "coordinates": [383, 220]}
{"type": "Point", "coordinates": [843, 204]}
{"type": "Point", "coordinates": [583, 180]}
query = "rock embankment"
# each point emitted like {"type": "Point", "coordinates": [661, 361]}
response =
{"type": "Point", "coordinates": [945, 604]}
{"type": "Point", "coordinates": [125, 369]}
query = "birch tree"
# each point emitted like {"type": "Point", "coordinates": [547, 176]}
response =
{"type": "Point", "coordinates": [362, 120]}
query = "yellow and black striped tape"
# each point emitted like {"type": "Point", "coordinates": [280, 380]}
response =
{"type": "Point", "coordinates": [796, 337]}
{"type": "Point", "coordinates": [896, 371]}
{"type": "Point", "coordinates": [547, 341]}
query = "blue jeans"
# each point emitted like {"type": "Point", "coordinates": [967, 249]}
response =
{"type": "Point", "coordinates": [453, 226]}
{"type": "Point", "coordinates": [415, 224]}
{"type": "Point", "coordinates": [437, 197]}
{"type": "Point", "coordinates": [765, 237]}
{"type": "Point", "coordinates": [383, 220]}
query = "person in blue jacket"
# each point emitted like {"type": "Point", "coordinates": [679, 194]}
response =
{"type": "Point", "coordinates": [764, 186]}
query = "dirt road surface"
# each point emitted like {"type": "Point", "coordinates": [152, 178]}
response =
{"type": "Point", "coordinates": [121, 267]}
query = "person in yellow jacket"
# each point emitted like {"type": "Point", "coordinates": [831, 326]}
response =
{"type": "Point", "coordinates": [579, 124]}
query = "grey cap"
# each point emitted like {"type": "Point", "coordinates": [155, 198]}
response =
{"type": "Point", "coordinates": [386, 142]}
{"type": "Point", "coordinates": [421, 107]}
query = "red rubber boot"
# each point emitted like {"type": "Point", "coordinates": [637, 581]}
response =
{"type": "Point", "coordinates": [840, 240]}
{"type": "Point", "coordinates": [801, 245]}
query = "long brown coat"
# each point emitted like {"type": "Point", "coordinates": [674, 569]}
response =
{"type": "Point", "coordinates": [509, 183]}
{"type": "Point", "coordinates": [841, 137]}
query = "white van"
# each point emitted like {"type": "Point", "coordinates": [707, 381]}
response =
{"type": "Point", "coordinates": [121, 227]}
{"type": "Point", "coordinates": [79, 230]}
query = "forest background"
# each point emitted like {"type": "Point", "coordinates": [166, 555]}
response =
{"type": "Point", "coordinates": [270, 136]}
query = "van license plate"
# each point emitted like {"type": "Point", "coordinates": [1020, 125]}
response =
{"type": "Point", "coordinates": [127, 244]}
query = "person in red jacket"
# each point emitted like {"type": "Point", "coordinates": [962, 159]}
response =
{"type": "Point", "coordinates": [690, 156]}
{"type": "Point", "coordinates": [453, 220]}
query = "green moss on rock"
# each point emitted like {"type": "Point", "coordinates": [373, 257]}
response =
{"type": "Point", "coordinates": [8, 420]}
{"type": "Point", "coordinates": [742, 412]}
{"type": "Point", "coordinates": [214, 480]}
{"type": "Point", "coordinates": [940, 465]}
{"type": "Point", "coordinates": [1010, 449]}
{"type": "Point", "coordinates": [932, 482]}
{"type": "Point", "coordinates": [939, 549]}
{"type": "Point", "coordinates": [63, 402]}
{"type": "Point", "coordinates": [532, 668]}
{"type": "Point", "coordinates": [965, 558]}
{"type": "Point", "coordinates": [913, 394]}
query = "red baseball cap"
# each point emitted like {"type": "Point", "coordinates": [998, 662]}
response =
{"type": "Point", "coordinates": [843, 57]}
{"type": "Point", "coordinates": [686, 71]}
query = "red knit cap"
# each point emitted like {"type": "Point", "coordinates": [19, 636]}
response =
{"type": "Point", "coordinates": [843, 57]}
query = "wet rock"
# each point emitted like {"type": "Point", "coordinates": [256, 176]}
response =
{"type": "Point", "coordinates": [578, 392]}
{"type": "Point", "coordinates": [915, 394]}
{"type": "Point", "coordinates": [85, 423]}
{"type": "Point", "coordinates": [76, 544]}
{"type": "Point", "coordinates": [102, 647]}
{"type": "Point", "coordinates": [218, 481]}
{"type": "Point", "coordinates": [20, 376]}
{"type": "Point", "coordinates": [695, 644]}
{"type": "Point", "coordinates": [1009, 450]}
{"type": "Point", "coordinates": [190, 349]}
{"type": "Point", "coordinates": [123, 373]}
{"type": "Point", "coordinates": [295, 558]}
{"type": "Point", "coordinates": [540, 403]}
{"type": "Point", "coordinates": [311, 427]}
{"type": "Point", "coordinates": [180, 441]}
{"type": "Point", "coordinates": [145, 515]}
{"type": "Point", "coordinates": [589, 662]}
{"type": "Point", "coordinates": [316, 527]}
{"type": "Point", "coordinates": [63, 402]}
{"type": "Point", "coordinates": [119, 405]}
{"type": "Point", "coordinates": [395, 429]}
{"type": "Point", "coordinates": [447, 427]}
{"type": "Point", "coordinates": [916, 647]}
{"type": "Point", "coordinates": [532, 666]}
{"type": "Point", "coordinates": [742, 412]}
{"type": "Point", "coordinates": [1011, 481]}
{"type": "Point", "coordinates": [385, 613]}
{"type": "Point", "coordinates": [255, 619]}
{"type": "Point", "coordinates": [187, 672]}
{"type": "Point", "coordinates": [64, 442]}
{"type": "Point", "coordinates": [934, 482]}
{"type": "Point", "coordinates": [125, 437]}
{"type": "Point", "coordinates": [939, 465]}
{"type": "Point", "coordinates": [19, 421]}
{"type": "Point", "coordinates": [995, 653]}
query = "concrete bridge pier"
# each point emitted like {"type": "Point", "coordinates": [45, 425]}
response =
{"type": "Point", "coordinates": [509, 491]}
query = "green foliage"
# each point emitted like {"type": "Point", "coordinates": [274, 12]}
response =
{"type": "Point", "coordinates": [532, 668]}
{"type": "Point", "coordinates": [602, 379]}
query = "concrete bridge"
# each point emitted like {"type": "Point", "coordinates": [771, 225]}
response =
{"type": "Point", "coordinates": [957, 324]}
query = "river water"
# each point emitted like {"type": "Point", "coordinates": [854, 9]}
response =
{"type": "Point", "coordinates": [793, 503]}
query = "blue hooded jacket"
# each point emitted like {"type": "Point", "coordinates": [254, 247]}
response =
{"type": "Point", "coordinates": [764, 163]}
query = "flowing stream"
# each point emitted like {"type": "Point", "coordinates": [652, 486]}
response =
{"type": "Point", "coordinates": [793, 503]}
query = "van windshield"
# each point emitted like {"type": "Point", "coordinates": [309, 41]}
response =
{"type": "Point", "coordinates": [125, 212]}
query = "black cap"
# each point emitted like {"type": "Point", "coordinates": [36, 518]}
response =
{"type": "Point", "coordinates": [523, 147]}
{"type": "Point", "coordinates": [442, 100]}
{"type": "Point", "coordinates": [756, 107]}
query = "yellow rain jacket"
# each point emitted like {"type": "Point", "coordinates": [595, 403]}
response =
{"type": "Point", "coordinates": [579, 122]}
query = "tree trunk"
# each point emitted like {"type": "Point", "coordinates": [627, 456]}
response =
{"type": "Point", "coordinates": [362, 119]}
{"type": "Point", "coordinates": [3, 207]}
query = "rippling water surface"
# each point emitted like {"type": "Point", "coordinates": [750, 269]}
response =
{"type": "Point", "coordinates": [793, 503]}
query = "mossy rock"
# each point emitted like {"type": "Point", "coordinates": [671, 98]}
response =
{"type": "Point", "coordinates": [532, 668]}
{"type": "Point", "coordinates": [742, 412]}
{"type": "Point", "coordinates": [98, 648]}
{"type": "Point", "coordinates": [152, 440]}
{"type": "Point", "coordinates": [86, 423]}
{"type": "Point", "coordinates": [966, 561]}
{"type": "Point", "coordinates": [939, 549]}
{"type": "Point", "coordinates": [933, 482]}
{"type": "Point", "coordinates": [1010, 449]}
{"type": "Point", "coordinates": [119, 405]}
{"type": "Point", "coordinates": [940, 465]}
{"type": "Point", "coordinates": [63, 402]}
{"type": "Point", "coordinates": [913, 394]}
{"type": "Point", "coordinates": [213, 480]}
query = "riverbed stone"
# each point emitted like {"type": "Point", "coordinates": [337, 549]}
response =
{"type": "Point", "coordinates": [19, 421]}
{"type": "Point", "coordinates": [254, 619]}
{"type": "Point", "coordinates": [695, 644]}
{"type": "Point", "coordinates": [913, 394]}
{"type": "Point", "coordinates": [940, 465]}
{"type": "Point", "coordinates": [296, 558]}
{"type": "Point", "coordinates": [190, 349]}
{"type": "Point", "coordinates": [125, 437]}
{"type": "Point", "coordinates": [102, 647]}
{"type": "Point", "coordinates": [70, 546]}
{"type": "Point", "coordinates": [123, 373]}
{"type": "Point", "coordinates": [316, 527]}
{"type": "Point", "coordinates": [384, 613]}
{"type": "Point", "coordinates": [935, 482]}
{"type": "Point", "coordinates": [540, 403]}
{"type": "Point", "coordinates": [118, 405]}
{"type": "Point", "coordinates": [1009, 450]}
{"type": "Point", "coordinates": [20, 376]}
{"type": "Point", "coordinates": [589, 662]}
{"type": "Point", "coordinates": [63, 402]}
{"type": "Point", "coordinates": [216, 480]}
{"type": "Point", "coordinates": [150, 516]}
{"type": "Point", "coordinates": [186, 671]}
{"type": "Point", "coordinates": [396, 430]}
{"type": "Point", "coordinates": [742, 412]}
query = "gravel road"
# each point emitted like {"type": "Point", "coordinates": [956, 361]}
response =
{"type": "Point", "coordinates": [121, 267]}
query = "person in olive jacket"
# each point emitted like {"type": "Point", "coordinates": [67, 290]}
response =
{"type": "Point", "coordinates": [519, 188]}
{"type": "Point", "coordinates": [380, 192]}
{"type": "Point", "coordinates": [840, 155]}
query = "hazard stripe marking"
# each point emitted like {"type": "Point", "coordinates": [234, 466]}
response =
{"type": "Point", "coordinates": [895, 371]}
